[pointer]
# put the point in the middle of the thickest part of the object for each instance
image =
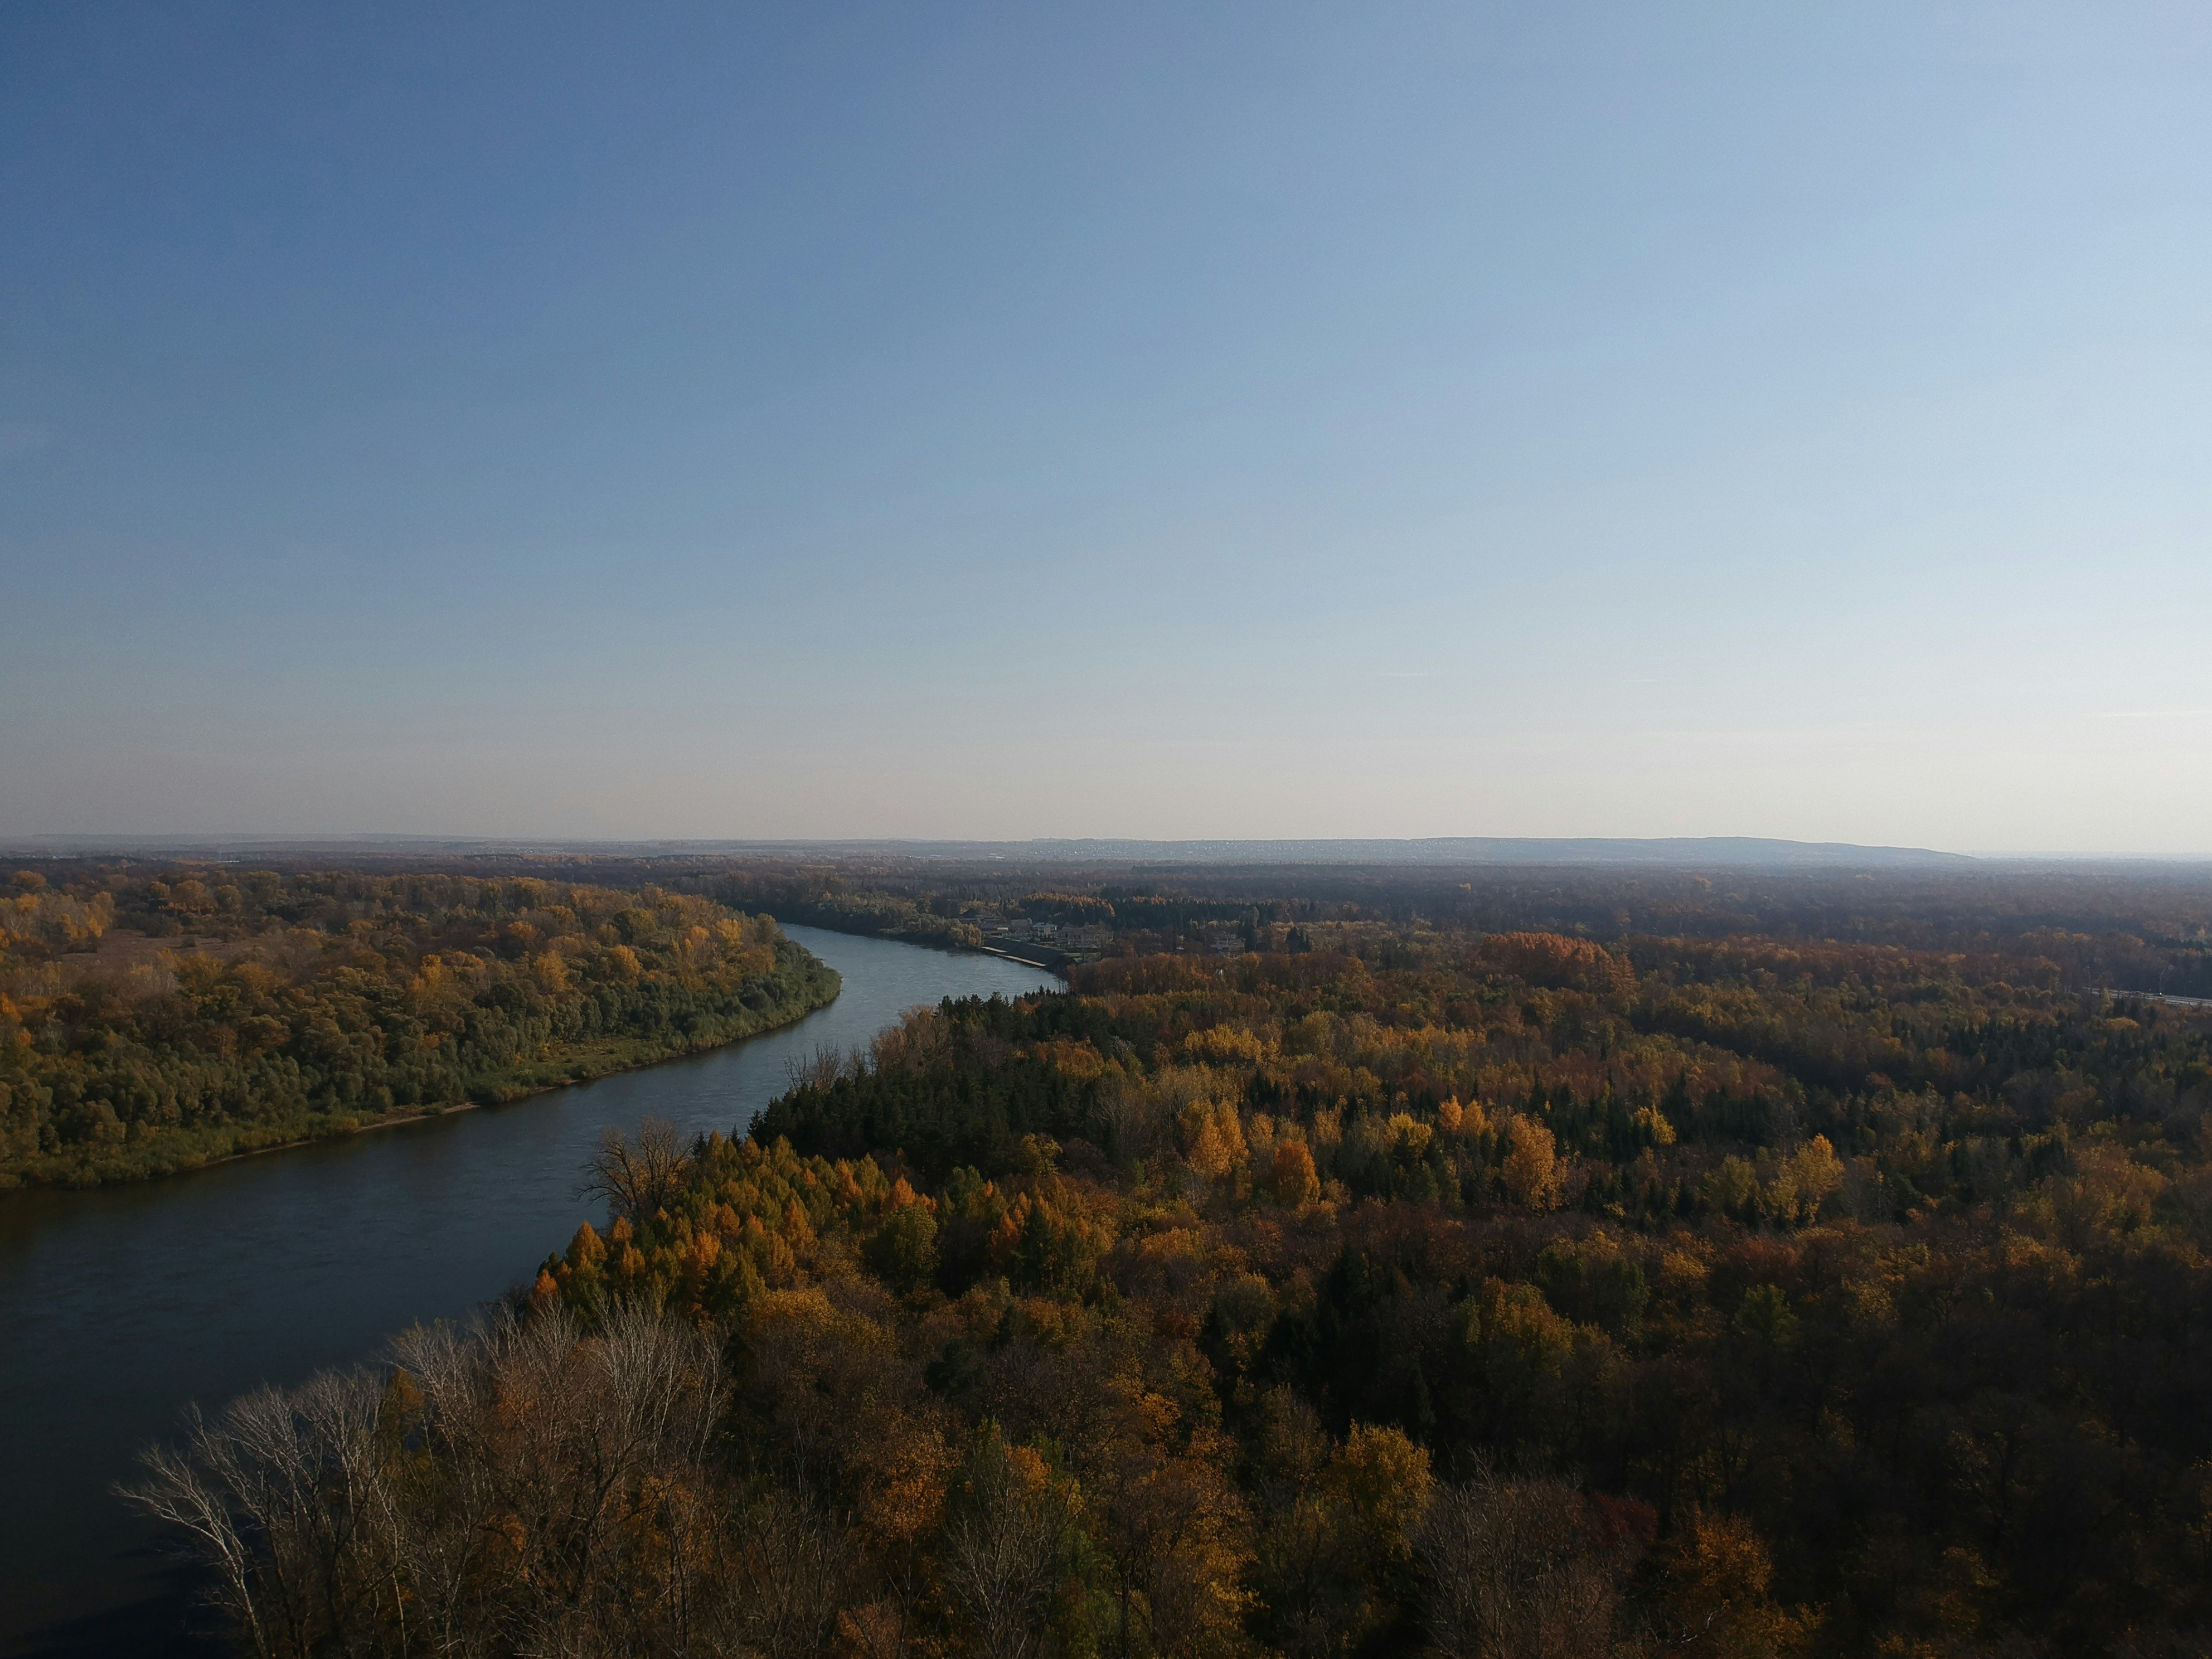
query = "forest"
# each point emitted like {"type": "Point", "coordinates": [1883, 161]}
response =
{"type": "Point", "coordinates": [2107, 925]}
{"type": "Point", "coordinates": [1397, 1287]}
{"type": "Point", "coordinates": [153, 1022]}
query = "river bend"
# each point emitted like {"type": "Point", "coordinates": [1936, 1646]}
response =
{"type": "Point", "coordinates": [117, 1306]}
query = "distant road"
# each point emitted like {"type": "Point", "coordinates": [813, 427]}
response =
{"type": "Point", "coordinates": [2160, 996]}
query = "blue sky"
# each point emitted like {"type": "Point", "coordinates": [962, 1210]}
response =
{"type": "Point", "coordinates": [1144, 420]}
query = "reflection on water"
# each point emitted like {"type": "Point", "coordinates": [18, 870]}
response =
{"type": "Point", "coordinates": [120, 1305]}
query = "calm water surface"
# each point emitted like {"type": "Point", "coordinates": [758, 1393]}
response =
{"type": "Point", "coordinates": [117, 1306]}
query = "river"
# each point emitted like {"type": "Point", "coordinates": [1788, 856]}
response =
{"type": "Point", "coordinates": [119, 1306]}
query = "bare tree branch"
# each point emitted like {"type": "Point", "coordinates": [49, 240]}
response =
{"type": "Point", "coordinates": [637, 1178]}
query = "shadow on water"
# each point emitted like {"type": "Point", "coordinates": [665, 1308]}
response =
{"type": "Point", "coordinates": [169, 1619]}
{"type": "Point", "coordinates": [121, 1304]}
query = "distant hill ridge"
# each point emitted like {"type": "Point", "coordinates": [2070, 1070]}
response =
{"type": "Point", "coordinates": [1675, 852]}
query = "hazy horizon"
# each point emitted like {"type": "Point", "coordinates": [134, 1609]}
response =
{"type": "Point", "coordinates": [1435, 850]}
{"type": "Point", "coordinates": [862, 422]}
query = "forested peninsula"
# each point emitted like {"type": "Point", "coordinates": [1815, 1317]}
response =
{"type": "Point", "coordinates": [154, 1022]}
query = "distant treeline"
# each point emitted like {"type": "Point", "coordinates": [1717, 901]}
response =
{"type": "Point", "coordinates": [812, 899]}
{"type": "Point", "coordinates": [150, 1023]}
{"type": "Point", "coordinates": [2100, 926]}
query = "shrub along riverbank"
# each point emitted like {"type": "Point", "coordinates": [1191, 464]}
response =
{"type": "Point", "coordinates": [152, 1024]}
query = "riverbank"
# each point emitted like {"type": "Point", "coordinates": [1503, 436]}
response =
{"type": "Point", "coordinates": [125, 1301]}
{"type": "Point", "coordinates": [861, 924]}
{"type": "Point", "coordinates": [1029, 955]}
{"type": "Point", "coordinates": [165, 1152]}
{"type": "Point", "coordinates": [884, 917]}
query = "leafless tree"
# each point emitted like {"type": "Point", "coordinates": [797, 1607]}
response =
{"type": "Point", "coordinates": [1137, 1119]}
{"type": "Point", "coordinates": [524, 1487]}
{"type": "Point", "coordinates": [1517, 1571]}
{"type": "Point", "coordinates": [1004, 1547]}
{"type": "Point", "coordinates": [825, 1066]}
{"type": "Point", "coordinates": [637, 1178]}
{"type": "Point", "coordinates": [794, 1568]}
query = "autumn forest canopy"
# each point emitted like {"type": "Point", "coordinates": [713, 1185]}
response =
{"type": "Point", "coordinates": [1338, 1274]}
{"type": "Point", "coordinates": [151, 1023]}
